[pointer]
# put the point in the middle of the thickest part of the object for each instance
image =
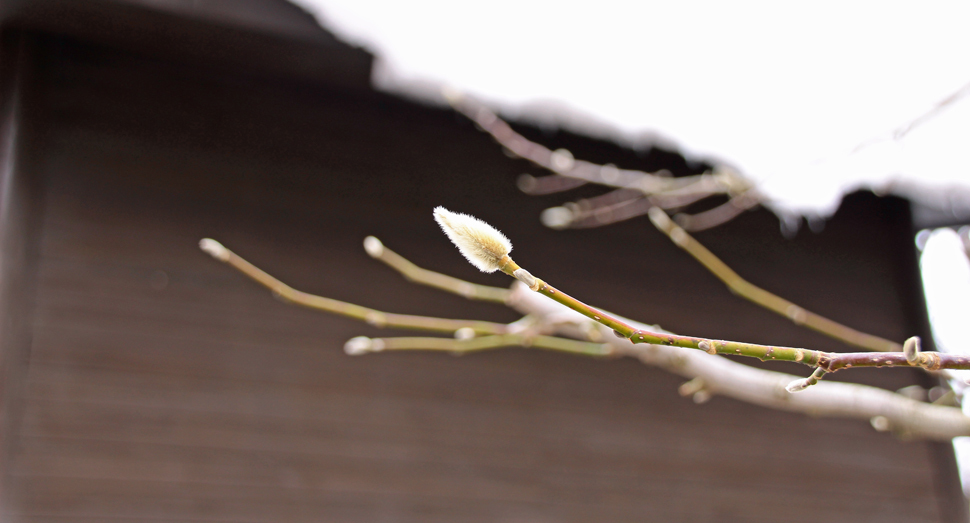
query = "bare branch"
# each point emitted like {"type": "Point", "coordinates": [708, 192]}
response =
{"type": "Point", "coordinates": [709, 375]}
{"type": "Point", "coordinates": [562, 162]}
{"type": "Point", "coordinates": [551, 184]}
{"type": "Point", "coordinates": [412, 272]}
{"type": "Point", "coordinates": [721, 376]}
{"type": "Point", "coordinates": [721, 214]}
{"type": "Point", "coordinates": [362, 344]}
{"type": "Point", "coordinates": [770, 301]}
{"type": "Point", "coordinates": [342, 308]}
{"type": "Point", "coordinates": [830, 362]}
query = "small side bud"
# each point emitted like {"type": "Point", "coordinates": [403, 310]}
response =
{"type": "Point", "coordinates": [214, 249]}
{"type": "Point", "coordinates": [880, 423]}
{"type": "Point", "coordinates": [911, 349]}
{"type": "Point", "coordinates": [707, 347]}
{"type": "Point", "coordinates": [692, 387]}
{"type": "Point", "coordinates": [359, 345]}
{"type": "Point", "coordinates": [562, 161]}
{"type": "Point", "coordinates": [798, 385]}
{"type": "Point", "coordinates": [373, 246]}
{"type": "Point", "coordinates": [526, 183]}
{"type": "Point", "coordinates": [362, 344]}
{"type": "Point", "coordinates": [556, 217]}
{"type": "Point", "coordinates": [465, 333]}
{"type": "Point", "coordinates": [702, 397]}
{"type": "Point", "coordinates": [659, 218]}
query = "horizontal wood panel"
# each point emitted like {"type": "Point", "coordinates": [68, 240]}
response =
{"type": "Point", "coordinates": [204, 399]}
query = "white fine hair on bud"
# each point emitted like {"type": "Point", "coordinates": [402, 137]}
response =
{"type": "Point", "coordinates": [480, 243]}
{"type": "Point", "coordinates": [373, 246]}
{"type": "Point", "coordinates": [214, 249]}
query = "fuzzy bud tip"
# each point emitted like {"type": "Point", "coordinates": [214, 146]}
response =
{"type": "Point", "coordinates": [480, 243]}
{"type": "Point", "coordinates": [214, 249]}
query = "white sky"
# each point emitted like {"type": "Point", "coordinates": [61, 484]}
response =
{"type": "Point", "coordinates": [782, 90]}
{"type": "Point", "coordinates": [946, 283]}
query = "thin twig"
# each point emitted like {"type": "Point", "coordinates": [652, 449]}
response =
{"type": "Point", "coordinates": [721, 214]}
{"type": "Point", "coordinates": [828, 361]}
{"type": "Point", "coordinates": [562, 162]}
{"type": "Point", "coordinates": [770, 301]}
{"type": "Point", "coordinates": [371, 316]}
{"type": "Point", "coordinates": [710, 375]}
{"type": "Point", "coordinates": [362, 344]}
{"type": "Point", "coordinates": [714, 375]}
{"type": "Point", "coordinates": [412, 272]}
{"type": "Point", "coordinates": [541, 185]}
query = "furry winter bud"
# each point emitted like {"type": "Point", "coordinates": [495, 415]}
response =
{"type": "Point", "coordinates": [480, 243]}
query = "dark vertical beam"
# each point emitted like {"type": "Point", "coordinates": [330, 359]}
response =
{"type": "Point", "coordinates": [19, 235]}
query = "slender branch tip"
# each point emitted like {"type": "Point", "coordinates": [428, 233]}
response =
{"type": "Point", "coordinates": [214, 249]}
{"type": "Point", "coordinates": [373, 246]}
{"type": "Point", "coordinates": [362, 344]}
{"type": "Point", "coordinates": [556, 217]}
{"type": "Point", "coordinates": [659, 218]}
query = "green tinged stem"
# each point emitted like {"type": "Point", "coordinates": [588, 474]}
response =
{"type": "Point", "coordinates": [494, 342]}
{"type": "Point", "coordinates": [371, 316]}
{"type": "Point", "coordinates": [829, 362]}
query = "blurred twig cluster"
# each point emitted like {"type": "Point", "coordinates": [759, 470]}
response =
{"type": "Point", "coordinates": [554, 320]}
{"type": "Point", "coordinates": [634, 192]}
{"type": "Point", "coordinates": [547, 324]}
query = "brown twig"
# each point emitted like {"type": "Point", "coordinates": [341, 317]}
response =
{"type": "Point", "coordinates": [563, 164]}
{"type": "Point", "coordinates": [721, 214]}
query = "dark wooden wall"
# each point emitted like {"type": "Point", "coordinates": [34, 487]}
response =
{"type": "Point", "coordinates": [163, 387]}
